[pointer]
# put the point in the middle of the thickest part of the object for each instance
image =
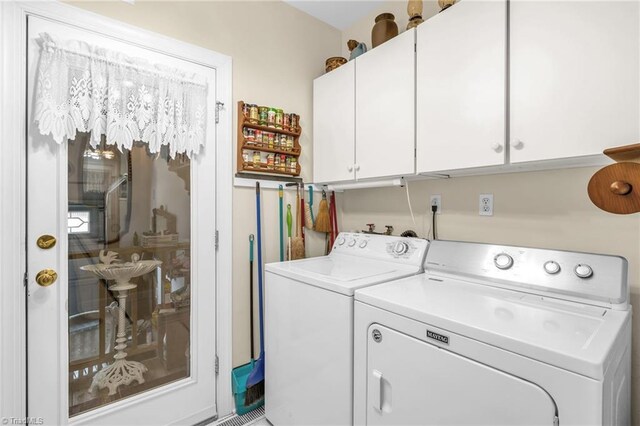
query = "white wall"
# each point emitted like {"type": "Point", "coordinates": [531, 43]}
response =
{"type": "Point", "coordinates": [277, 51]}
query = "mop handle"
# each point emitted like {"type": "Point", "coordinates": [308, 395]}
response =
{"type": "Point", "coordinates": [281, 194]}
{"type": "Point", "coordinates": [260, 269]}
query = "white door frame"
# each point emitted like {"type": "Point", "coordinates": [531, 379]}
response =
{"type": "Point", "coordinates": [13, 169]}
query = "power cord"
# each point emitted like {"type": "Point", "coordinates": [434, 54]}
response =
{"type": "Point", "coordinates": [434, 209]}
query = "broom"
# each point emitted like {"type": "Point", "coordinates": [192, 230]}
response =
{"type": "Point", "coordinates": [297, 244]}
{"type": "Point", "coordinates": [323, 223]}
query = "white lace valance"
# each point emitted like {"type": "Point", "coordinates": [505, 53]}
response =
{"type": "Point", "coordinates": [84, 88]}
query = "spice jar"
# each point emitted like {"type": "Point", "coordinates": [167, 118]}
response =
{"type": "Point", "coordinates": [245, 157]}
{"type": "Point", "coordinates": [271, 117]}
{"type": "Point", "coordinates": [294, 122]}
{"type": "Point", "coordinates": [246, 110]}
{"type": "Point", "coordinates": [257, 135]}
{"type": "Point", "coordinates": [265, 138]}
{"type": "Point", "coordinates": [253, 114]}
{"type": "Point", "coordinates": [256, 159]}
{"type": "Point", "coordinates": [270, 161]}
{"type": "Point", "coordinates": [262, 114]}
{"type": "Point", "coordinates": [279, 118]}
{"type": "Point", "coordinates": [272, 137]}
{"type": "Point", "coordinates": [288, 164]}
{"type": "Point", "coordinates": [290, 143]}
{"type": "Point", "coordinates": [294, 165]}
{"type": "Point", "coordinates": [286, 121]}
{"type": "Point", "coordinates": [250, 136]}
{"type": "Point", "coordinates": [283, 161]}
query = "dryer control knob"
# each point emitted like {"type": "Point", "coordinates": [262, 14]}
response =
{"type": "Point", "coordinates": [352, 243]}
{"type": "Point", "coordinates": [551, 267]}
{"type": "Point", "coordinates": [363, 244]}
{"type": "Point", "coordinates": [583, 271]}
{"type": "Point", "coordinates": [341, 241]}
{"type": "Point", "coordinates": [503, 261]}
{"type": "Point", "coordinates": [400, 248]}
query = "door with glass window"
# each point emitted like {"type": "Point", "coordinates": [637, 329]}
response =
{"type": "Point", "coordinates": [121, 226]}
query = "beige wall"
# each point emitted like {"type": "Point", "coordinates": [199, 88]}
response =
{"type": "Point", "coordinates": [277, 51]}
{"type": "Point", "coordinates": [539, 209]}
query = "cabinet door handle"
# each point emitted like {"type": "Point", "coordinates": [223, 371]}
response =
{"type": "Point", "coordinates": [357, 167]}
{"type": "Point", "coordinates": [350, 168]}
{"type": "Point", "coordinates": [377, 390]}
{"type": "Point", "coordinates": [497, 147]}
{"type": "Point", "coordinates": [517, 144]}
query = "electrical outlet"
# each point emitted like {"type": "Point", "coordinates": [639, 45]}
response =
{"type": "Point", "coordinates": [486, 205]}
{"type": "Point", "coordinates": [436, 200]}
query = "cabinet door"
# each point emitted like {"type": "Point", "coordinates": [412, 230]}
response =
{"type": "Point", "coordinates": [574, 78]}
{"type": "Point", "coordinates": [461, 83]}
{"type": "Point", "coordinates": [333, 125]}
{"type": "Point", "coordinates": [385, 108]}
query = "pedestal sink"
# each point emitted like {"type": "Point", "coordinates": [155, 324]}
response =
{"type": "Point", "coordinates": [121, 372]}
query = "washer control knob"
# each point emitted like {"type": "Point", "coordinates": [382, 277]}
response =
{"type": "Point", "coordinates": [352, 243]}
{"type": "Point", "coordinates": [400, 248]}
{"type": "Point", "coordinates": [583, 271]}
{"type": "Point", "coordinates": [341, 241]}
{"type": "Point", "coordinates": [503, 261]}
{"type": "Point", "coordinates": [551, 267]}
{"type": "Point", "coordinates": [363, 244]}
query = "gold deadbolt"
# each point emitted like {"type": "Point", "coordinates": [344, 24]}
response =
{"type": "Point", "coordinates": [46, 241]}
{"type": "Point", "coordinates": [46, 277]}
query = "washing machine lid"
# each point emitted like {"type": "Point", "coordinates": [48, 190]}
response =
{"type": "Point", "coordinates": [575, 337]}
{"type": "Point", "coordinates": [342, 273]}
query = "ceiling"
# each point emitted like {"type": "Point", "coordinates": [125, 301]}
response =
{"type": "Point", "coordinates": [339, 14]}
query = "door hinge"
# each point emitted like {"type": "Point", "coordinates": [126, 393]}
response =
{"type": "Point", "coordinates": [217, 365]}
{"type": "Point", "coordinates": [217, 239]}
{"type": "Point", "coordinates": [25, 279]}
{"type": "Point", "coordinates": [219, 106]}
{"type": "Point", "coordinates": [556, 421]}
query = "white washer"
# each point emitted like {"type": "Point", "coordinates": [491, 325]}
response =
{"type": "Point", "coordinates": [496, 335]}
{"type": "Point", "coordinates": [309, 324]}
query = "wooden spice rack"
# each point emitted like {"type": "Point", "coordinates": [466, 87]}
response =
{"type": "Point", "coordinates": [262, 168]}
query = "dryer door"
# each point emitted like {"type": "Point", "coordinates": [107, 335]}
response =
{"type": "Point", "coordinates": [411, 382]}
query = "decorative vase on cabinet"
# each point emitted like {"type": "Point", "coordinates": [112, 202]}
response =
{"type": "Point", "coordinates": [384, 29]}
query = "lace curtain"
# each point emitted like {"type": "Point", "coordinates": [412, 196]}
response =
{"type": "Point", "coordinates": [84, 88]}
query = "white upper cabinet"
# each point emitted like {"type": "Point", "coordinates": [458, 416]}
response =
{"type": "Point", "coordinates": [461, 85]}
{"type": "Point", "coordinates": [385, 106]}
{"type": "Point", "coordinates": [334, 125]}
{"type": "Point", "coordinates": [574, 78]}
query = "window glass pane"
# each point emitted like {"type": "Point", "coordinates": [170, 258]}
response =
{"type": "Point", "coordinates": [130, 210]}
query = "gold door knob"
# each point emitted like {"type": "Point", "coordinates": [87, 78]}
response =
{"type": "Point", "coordinates": [46, 241]}
{"type": "Point", "coordinates": [46, 277]}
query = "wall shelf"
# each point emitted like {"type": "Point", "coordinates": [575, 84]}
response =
{"type": "Point", "coordinates": [250, 146]}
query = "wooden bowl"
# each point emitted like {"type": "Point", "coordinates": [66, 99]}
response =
{"type": "Point", "coordinates": [334, 62]}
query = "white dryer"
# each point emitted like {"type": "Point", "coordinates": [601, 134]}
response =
{"type": "Point", "coordinates": [496, 335]}
{"type": "Point", "coordinates": [309, 324]}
